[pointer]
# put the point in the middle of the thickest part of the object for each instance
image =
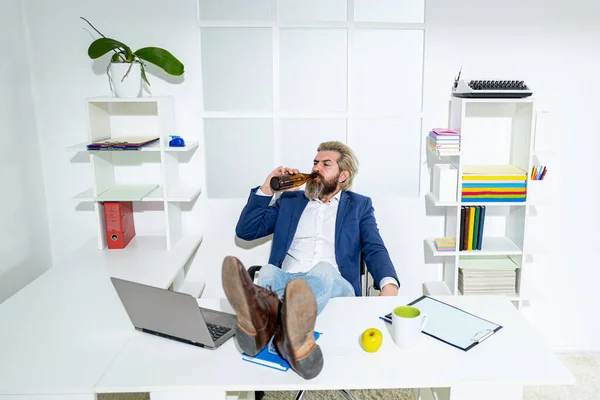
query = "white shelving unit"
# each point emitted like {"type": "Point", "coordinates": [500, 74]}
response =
{"type": "Point", "coordinates": [493, 132]}
{"type": "Point", "coordinates": [160, 251]}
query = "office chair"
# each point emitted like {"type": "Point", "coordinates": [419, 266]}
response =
{"type": "Point", "coordinates": [254, 271]}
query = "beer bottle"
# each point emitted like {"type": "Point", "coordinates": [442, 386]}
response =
{"type": "Point", "coordinates": [283, 182]}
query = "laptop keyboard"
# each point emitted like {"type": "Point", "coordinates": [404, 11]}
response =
{"type": "Point", "coordinates": [216, 331]}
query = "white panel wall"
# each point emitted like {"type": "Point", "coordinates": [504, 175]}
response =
{"type": "Point", "coordinates": [311, 62]}
{"type": "Point", "coordinates": [313, 70]}
{"type": "Point", "coordinates": [237, 69]}
{"type": "Point", "coordinates": [24, 240]}
{"type": "Point", "coordinates": [489, 39]}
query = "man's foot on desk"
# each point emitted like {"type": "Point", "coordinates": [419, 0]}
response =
{"type": "Point", "coordinates": [294, 338]}
{"type": "Point", "coordinates": [256, 307]}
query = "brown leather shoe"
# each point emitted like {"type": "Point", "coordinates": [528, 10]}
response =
{"type": "Point", "coordinates": [256, 307]}
{"type": "Point", "coordinates": [294, 338]}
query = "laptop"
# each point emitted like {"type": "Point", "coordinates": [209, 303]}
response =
{"type": "Point", "coordinates": [174, 315]}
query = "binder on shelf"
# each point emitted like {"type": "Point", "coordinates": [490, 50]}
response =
{"type": "Point", "coordinates": [120, 228]}
{"type": "Point", "coordinates": [269, 357]}
{"type": "Point", "coordinates": [480, 233]}
{"type": "Point", "coordinates": [123, 143]}
{"type": "Point", "coordinates": [471, 227]}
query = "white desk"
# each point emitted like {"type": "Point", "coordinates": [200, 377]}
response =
{"type": "Point", "coordinates": [496, 369]}
{"type": "Point", "coordinates": [67, 336]}
{"type": "Point", "coordinates": [59, 334]}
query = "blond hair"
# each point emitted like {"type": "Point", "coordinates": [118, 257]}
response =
{"type": "Point", "coordinates": [347, 161]}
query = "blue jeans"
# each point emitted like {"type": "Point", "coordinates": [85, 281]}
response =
{"type": "Point", "coordinates": [324, 280]}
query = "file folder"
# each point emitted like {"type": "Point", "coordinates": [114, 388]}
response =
{"type": "Point", "coordinates": [119, 224]}
{"type": "Point", "coordinates": [123, 143]}
{"type": "Point", "coordinates": [452, 325]}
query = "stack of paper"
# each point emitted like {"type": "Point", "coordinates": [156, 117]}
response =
{"type": "Point", "coordinates": [493, 183]}
{"type": "Point", "coordinates": [492, 275]}
{"type": "Point", "coordinates": [445, 244]}
{"type": "Point", "coordinates": [444, 142]}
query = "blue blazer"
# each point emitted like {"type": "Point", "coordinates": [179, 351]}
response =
{"type": "Point", "coordinates": [355, 232]}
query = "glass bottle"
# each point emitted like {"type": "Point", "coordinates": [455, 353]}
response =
{"type": "Point", "coordinates": [283, 182]}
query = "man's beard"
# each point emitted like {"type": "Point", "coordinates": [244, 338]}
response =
{"type": "Point", "coordinates": [319, 187]}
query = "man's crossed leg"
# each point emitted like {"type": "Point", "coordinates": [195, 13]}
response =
{"type": "Point", "coordinates": [282, 305]}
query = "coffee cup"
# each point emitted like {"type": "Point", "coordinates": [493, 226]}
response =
{"type": "Point", "coordinates": [407, 324]}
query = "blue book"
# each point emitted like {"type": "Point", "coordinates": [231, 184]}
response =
{"type": "Point", "coordinates": [480, 232]}
{"type": "Point", "coordinates": [494, 185]}
{"type": "Point", "coordinates": [269, 357]}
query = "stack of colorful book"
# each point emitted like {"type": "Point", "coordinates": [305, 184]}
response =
{"type": "Point", "coordinates": [444, 142]}
{"type": "Point", "coordinates": [493, 183]}
{"type": "Point", "coordinates": [445, 244]}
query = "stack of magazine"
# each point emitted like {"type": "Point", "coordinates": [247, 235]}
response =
{"type": "Point", "coordinates": [487, 275]}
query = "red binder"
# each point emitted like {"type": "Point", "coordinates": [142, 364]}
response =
{"type": "Point", "coordinates": [120, 229]}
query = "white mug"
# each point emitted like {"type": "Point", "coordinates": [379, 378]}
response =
{"type": "Point", "coordinates": [407, 324]}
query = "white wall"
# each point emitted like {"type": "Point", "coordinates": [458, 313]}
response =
{"type": "Point", "coordinates": [553, 47]}
{"type": "Point", "coordinates": [24, 245]}
{"type": "Point", "coordinates": [65, 76]}
{"type": "Point", "coordinates": [489, 39]}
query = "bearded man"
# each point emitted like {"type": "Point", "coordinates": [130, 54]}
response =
{"type": "Point", "coordinates": [318, 236]}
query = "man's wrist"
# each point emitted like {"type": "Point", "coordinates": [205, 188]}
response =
{"type": "Point", "coordinates": [260, 192]}
{"type": "Point", "coordinates": [387, 281]}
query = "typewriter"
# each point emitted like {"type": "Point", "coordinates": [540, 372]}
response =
{"type": "Point", "coordinates": [490, 89]}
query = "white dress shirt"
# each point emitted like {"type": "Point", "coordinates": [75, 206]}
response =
{"type": "Point", "coordinates": [314, 240]}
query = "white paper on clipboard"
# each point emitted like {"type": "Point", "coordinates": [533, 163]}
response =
{"type": "Point", "coordinates": [452, 325]}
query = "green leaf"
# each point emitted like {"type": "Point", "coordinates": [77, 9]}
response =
{"type": "Point", "coordinates": [117, 57]}
{"type": "Point", "coordinates": [100, 47]}
{"type": "Point", "coordinates": [162, 59]}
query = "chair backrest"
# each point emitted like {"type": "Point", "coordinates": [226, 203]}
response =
{"type": "Point", "coordinates": [367, 285]}
{"type": "Point", "coordinates": [366, 276]}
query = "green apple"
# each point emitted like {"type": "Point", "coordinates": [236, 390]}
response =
{"type": "Point", "coordinates": [371, 340]}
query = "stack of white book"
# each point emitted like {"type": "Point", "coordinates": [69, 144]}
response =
{"type": "Point", "coordinates": [487, 275]}
{"type": "Point", "coordinates": [444, 142]}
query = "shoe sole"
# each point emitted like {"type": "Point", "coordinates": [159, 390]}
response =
{"type": "Point", "coordinates": [300, 301]}
{"type": "Point", "coordinates": [245, 332]}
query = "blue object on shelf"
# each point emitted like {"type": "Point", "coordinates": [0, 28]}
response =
{"type": "Point", "coordinates": [176, 141]}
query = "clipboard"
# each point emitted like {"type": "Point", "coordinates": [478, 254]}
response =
{"type": "Point", "coordinates": [452, 325]}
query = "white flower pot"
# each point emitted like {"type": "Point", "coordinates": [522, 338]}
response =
{"type": "Point", "coordinates": [126, 86]}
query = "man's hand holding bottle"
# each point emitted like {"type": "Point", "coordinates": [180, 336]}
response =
{"type": "Point", "coordinates": [284, 179]}
{"type": "Point", "coordinates": [279, 171]}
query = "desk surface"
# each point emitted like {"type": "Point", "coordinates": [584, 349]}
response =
{"type": "Point", "coordinates": [67, 332]}
{"type": "Point", "coordinates": [60, 333]}
{"type": "Point", "coordinates": [515, 355]}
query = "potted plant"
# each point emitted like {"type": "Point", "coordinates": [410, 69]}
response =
{"type": "Point", "coordinates": [126, 68]}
